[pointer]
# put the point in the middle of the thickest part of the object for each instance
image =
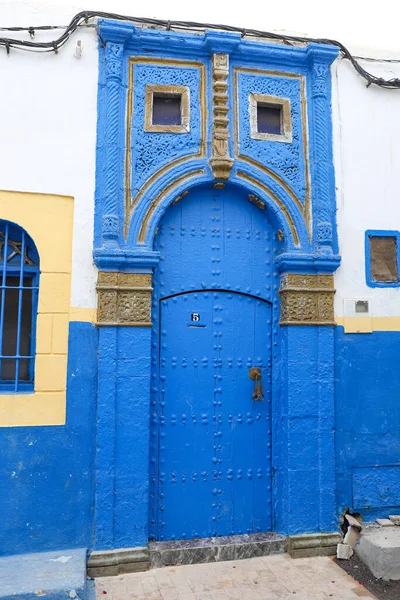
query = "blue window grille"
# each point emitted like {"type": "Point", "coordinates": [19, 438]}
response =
{"type": "Point", "coordinates": [19, 278]}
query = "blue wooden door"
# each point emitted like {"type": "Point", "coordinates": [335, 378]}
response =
{"type": "Point", "coordinates": [214, 438]}
{"type": "Point", "coordinates": [215, 290]}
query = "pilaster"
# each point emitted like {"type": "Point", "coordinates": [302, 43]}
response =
{"type": "Point", "coordinates": [124, 321]}
{"type": "Point", "coordinates": [323, 180]}
{"type": "Point", "coordinates": [306, 482]}
{"type": "Point", "coordinates": [110, 222]}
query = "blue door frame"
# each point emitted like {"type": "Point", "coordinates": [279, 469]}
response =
{"type": "Point", "coordinates": [139, 176]}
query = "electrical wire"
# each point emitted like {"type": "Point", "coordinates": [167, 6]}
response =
{"type": "Point", "coordinates": [82, 19]}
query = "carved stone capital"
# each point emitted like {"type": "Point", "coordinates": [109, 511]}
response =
{"type": "Point", "coordinates": [110, 226]}
{"type": "Point", "coordinates": [124, 299]}
{"type": "Point", "coordinates": [320, 80]}
{"type": "Point", "coordinates": [307, 299]}
{"type": "Point", "coordinates": [324, 233]}
{"type": "Point", "coordinates": [114, 54]}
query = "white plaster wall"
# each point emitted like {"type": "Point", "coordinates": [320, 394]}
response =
{"type": "Point", "coordinates": [48, 118]}
{"type": "Point", "coordinates": [366, 128]}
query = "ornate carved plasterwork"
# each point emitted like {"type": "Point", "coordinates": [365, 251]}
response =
{"type": "Point", "coordinates": [307, 299]}
{"type": "Point", "coordinates": [114, 53]}
{"type": "Point", "coordinates": [110, 223]}
{"type": "Point", "coordinates": [124, 299]}
{"type": "Point", "coordinates": [146, 163]}
{"type": "Point", "coordinates": [324, 190]}
{"type": "Point", "coordinates": [320, 80]}
{"type": "Point", "coordinates": [221, 163]}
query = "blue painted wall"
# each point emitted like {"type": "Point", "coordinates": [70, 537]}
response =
{"type": "Point", "coordinates": [303, 435]}
{"type": "Point", "coordinates": [47, 473]}
{"type": "Point", "coordinates": [368, 422]}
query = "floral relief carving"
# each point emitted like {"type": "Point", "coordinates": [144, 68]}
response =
{"type": "Point", "coordinates": [110, 226]}
{"type": "Point", "coordinates": [124, 299]}
{"type": "Point", "coordinates": [114, 53]}
{"type": "Point", "coordinates": [307, 299]}
{"type": "Point", "coordinates": [320, 79]}
{"type": "Point", "coordinates": [106, 309]}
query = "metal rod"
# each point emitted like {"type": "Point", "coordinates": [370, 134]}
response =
{"type": "Point", "coordinates": [3, 293]}
{"type": "Point", "coordinates": [20, 292]}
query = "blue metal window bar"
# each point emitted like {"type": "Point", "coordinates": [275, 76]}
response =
{"type": "Point", "coordinates": [19, 278]}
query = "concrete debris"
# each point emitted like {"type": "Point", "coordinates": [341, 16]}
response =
{"type": "Point", "coordinates": [395, 519]}
{"type": "Point", "coordinates": [353, 522]}
{"type": "Point", "coordinates": [350, 524]}
{"type": "Point", "coordinates": [352, 536]}
{"type": "Point", "coordinates": [344, 551]}
{"type": "Point", "coordinates": [347, 519]}
{"type": "Point", "coordinates": [385, 522]}
{"type": "Point", "coordinates": [379, 549]}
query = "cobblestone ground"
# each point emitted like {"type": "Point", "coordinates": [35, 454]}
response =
{"type": "Point", "coordinates": [264, 578]}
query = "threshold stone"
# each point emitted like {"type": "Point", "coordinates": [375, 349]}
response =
{"type": "Point", "coordinates": [215, 549]}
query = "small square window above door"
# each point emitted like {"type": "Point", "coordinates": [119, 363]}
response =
{"type": "Point", "coordinates": [270, 118]}
{"type": "Point", "coordinates": [167, 109]}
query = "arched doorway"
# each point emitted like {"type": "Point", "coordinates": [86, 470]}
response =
{"type": "Point", "coordinates": [214, 307]}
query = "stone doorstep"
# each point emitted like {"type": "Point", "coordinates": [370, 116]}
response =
{"type": "Point", "coordinates": [236, 547]}
{"type": "Point", "coordinates": [116, 562]}
{"type": "Point", "coordinates": [313, 544]}
{"type": "Point", "coordinates": [159, 554]}
{"type": "Point", "coordinates": [180, 552]}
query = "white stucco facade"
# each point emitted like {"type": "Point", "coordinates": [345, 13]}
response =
{"type": "Point", "coordinates": [49, 110]}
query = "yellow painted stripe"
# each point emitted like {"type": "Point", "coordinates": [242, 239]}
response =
{"type": "Point", "coordinates": [368, 324]}
{"type": "Point", "coordinates": [27, 410]}
{"type": "Point", "coordinates": [87, 315]}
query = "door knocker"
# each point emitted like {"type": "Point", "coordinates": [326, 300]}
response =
{"type": "Point", "coordinates": [256, 376]}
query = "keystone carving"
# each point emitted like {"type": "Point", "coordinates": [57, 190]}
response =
{"type": "Point", "coordinates": [124, 299]}
{"type": "Point", "coordinates": [221, 163]}
{"type": "Point", "coordinates": [307, 300]}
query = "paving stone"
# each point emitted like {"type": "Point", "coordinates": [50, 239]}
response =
{"type": "Point", "coordinates": [395, 519]}
{"type": "Point", "coordinates": [277, 577]}
{"type": "Point", "coordinates": [385, 522]}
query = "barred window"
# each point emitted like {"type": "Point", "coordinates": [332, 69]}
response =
{"type": "Point", "coordinates": [19, 279]}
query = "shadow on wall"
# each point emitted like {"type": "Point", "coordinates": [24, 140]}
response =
{"type": "Point", "coordinates": [47, 473]}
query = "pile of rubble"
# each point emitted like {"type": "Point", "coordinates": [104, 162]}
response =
{"type": "Point", "coordinates": [351, 527]}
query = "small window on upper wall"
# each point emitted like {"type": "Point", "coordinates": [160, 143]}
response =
{"type": "Point", "coordinates": [167, 109]}
{"type": "Point", "coordinates": [270, 118]}
{"type": "Point", "coordinates": [382, 258]}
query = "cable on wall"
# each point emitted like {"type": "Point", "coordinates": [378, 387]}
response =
{"type": "Point", "coordinates": [82, 19]}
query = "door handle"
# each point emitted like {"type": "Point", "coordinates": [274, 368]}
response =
{"type": "Point", "coordinates": [256, 376]}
